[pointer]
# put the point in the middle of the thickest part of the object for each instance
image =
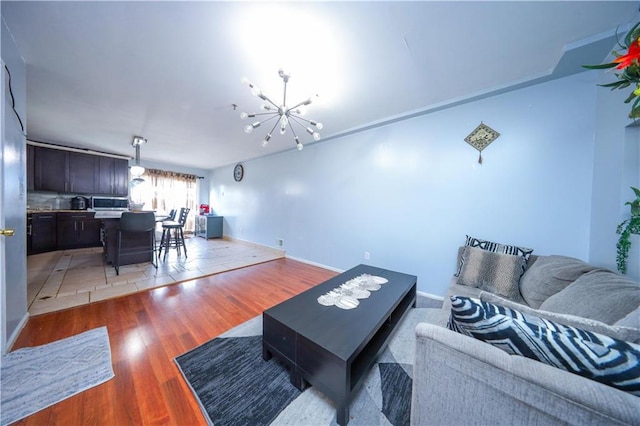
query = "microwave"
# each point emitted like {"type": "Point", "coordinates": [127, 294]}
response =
{"type": "Point", "coordinates": [110, 203]}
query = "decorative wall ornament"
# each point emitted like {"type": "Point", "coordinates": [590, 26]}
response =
{"type": "Point", "coordinates": [481, 137]}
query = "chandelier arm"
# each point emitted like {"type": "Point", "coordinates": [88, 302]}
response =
{"type": "Point", "coordinates": [264, 113]}
{"type": "Point", "coordinates": [274, 115]}
{"type": "Point", "coordinates": [305, 103]}
{"type": "Point", "coordinates": [294, 118]}
{"type": "Point", "coordinates": [266, 98]}
{"type": "Point", "coordinates": [291, 115]}
{"type": "Point", "coordinates": [292, 131]}
{"type": "Point", "coordinates": [273, 128]}
{"type": "Point", "coordinates": [284, 96]}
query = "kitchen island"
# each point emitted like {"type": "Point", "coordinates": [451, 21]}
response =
{"type": "Point", "coordinates": [110, 224]}
{"type": "Point", "coordinates": [51, 230]}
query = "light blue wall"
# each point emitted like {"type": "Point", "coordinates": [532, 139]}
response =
{"type": "Point", "coordinates": [616, 169]}
{"type": "Point", "coordinates": [408, 192]}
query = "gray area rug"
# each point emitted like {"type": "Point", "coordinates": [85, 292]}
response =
{"type": "Point", "coordinates": [37, 377]}
{"type": "Point", "coordinates": [235, 386]}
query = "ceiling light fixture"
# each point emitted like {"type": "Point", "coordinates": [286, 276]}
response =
{"type": "Point", "coordinates": [137, 170]}
{"type": "Point", "coordinates": [284, 114]}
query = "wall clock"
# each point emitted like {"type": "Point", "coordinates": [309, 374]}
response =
{"type": "Point", "coordinates": [481, 137]}
{"type": "Point", "coordinates": [238, 172]}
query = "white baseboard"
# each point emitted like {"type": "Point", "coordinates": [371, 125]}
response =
{"type": "Point", "coordinates": [251, 243]}
{"type": "Point", "coordinates": [430, 296]}
{"type": "Point", "coordinates": [319, 265]}
{"type": "Point", "coordinates": [14, 336]}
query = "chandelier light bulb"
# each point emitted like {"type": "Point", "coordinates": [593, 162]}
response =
{"type": "Point", "coordinates": [283, 129]}
{"type": "Point", "coordinates": [246, 81]}
{"type": "Point", "coordinates": [316, 136]}
{"type": "Point", "coordinates": [255, 91]}
{"type": "Point", "coordinates": [318, 125]}
{"type": "Point", "coordinates": [299, 146]}
{"type": "Point", "coordinates": [244, 115]}
{"type": "Point", "coordinates": [284, 120]}
{"type": "Point", "coordinates": [248, 128]}
{"type": "Point", "coordinates": [265, 142]}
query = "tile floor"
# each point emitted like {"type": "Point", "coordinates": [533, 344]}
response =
{"type": "Point", "coordinates": [67, 278]}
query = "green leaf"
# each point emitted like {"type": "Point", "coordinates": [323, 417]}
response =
{"type": "Point", "coordinates": [637, 192]}
{"type": "Point", "coordinates": [630, 35]}
{"type": "Point", "coordinates": [614, 84]}
{"type": "Point", "coordinates": [630, 98]}
{"type": "Point", "coordinates": [601, 66]}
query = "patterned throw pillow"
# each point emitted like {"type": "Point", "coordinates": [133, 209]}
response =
{"type": "Point", "coordinates": [494, 272]}
{"type": "Point", "coordinates": [601, 358]}
{"type": "Point", "coordinates": [495, 248]}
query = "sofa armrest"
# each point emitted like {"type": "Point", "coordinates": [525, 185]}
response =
{"type": "Point", "coordinates": [461, 380]}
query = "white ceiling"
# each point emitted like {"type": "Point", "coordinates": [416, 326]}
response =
{"type": "Point", "coordinates": [99, 73]}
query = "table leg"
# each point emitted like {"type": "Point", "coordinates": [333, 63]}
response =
{"type": "Point", "coordinates": [342, 414]}
{"type": "Point", "coordinates": [296, 379]}
{"type": "Point", "coordinates": [266, 355]}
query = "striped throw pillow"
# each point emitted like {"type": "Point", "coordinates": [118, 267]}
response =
{"type": "Point", "coordinates": [495, 248]}
{"type": "Point", "coordinates": [598, 357]}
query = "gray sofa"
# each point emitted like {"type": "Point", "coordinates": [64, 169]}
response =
{"type": "Point", "coordinates": [458, 379]}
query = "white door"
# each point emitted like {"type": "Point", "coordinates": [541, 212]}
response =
{"type": "Point", "coordinates": [13, 252]}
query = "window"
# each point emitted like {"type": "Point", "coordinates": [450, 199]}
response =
{"type": "Point", "coordinates": [164, 190]}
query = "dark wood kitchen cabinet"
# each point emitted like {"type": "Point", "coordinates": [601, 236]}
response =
{"type": "Point", "coordinates": [113, 177]}
{"type": "Point", "coordinates": [64, 171]}
{"type": "Point", "coordinates": [69, 172]}
{"type": "Point", "coordinates": [50, 169]}
{"type": "Point", "coordinates": [41, 232]}
{"type": "Point", "coordinates": [82, 172]}
{"type": "Point", "coordinates": [76, 230]}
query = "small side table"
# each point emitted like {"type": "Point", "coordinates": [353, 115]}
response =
{"type": "Point", "coordinates": [208, 226]}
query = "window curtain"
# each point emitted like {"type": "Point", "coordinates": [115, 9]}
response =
{"type": "Point", "coordinates": [166, 190]}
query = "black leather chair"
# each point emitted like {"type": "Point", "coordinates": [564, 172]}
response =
{"type": "Point", "coordinates": [172, 215]}
{"type": "Point", "coordinates": [177, 239]}
{"type": "Point", "coordinates": [141, 226]}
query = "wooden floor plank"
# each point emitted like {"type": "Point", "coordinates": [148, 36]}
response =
{"type": "Point", "coordinates": [148, 330]}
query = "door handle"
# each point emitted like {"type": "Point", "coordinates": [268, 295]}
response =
{"type": "Point", "coordinates": [7, 232]}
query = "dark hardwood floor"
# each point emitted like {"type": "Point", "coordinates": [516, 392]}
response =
{"type": "Point", "coordinates": [147, 330]}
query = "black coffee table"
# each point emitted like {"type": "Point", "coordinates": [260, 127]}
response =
{"type": "Point", "coordinates": [331, 348]}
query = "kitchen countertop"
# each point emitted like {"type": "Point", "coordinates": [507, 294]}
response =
{"type": "Point", "coordinates": [101, 214]}
{"type": "Point", "coordinates": [57, 211]}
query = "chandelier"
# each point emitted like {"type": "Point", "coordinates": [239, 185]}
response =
{"type": "Point", "coordinates": [284, 114]}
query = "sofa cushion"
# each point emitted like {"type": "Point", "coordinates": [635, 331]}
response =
{"type": "Point", "coordinates": [600, 295]}
{"type": "Point", "coordinates": [627, 332]}
{"type": "Point", "coordinates": [631, 320]}
{"type": "Point", "coordinates": [495, 248]}
{"type": "Point", "coordinates": [549, 275]}
{"type": "Point", "coordinates": [598, 357]}
{"type": "Point", "coordinates": [494, 272]}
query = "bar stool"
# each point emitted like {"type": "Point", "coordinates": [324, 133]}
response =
{"type": "Point", "coordinates": [166, 242]}
{"type": "Point", "coordinates": [136, 225]}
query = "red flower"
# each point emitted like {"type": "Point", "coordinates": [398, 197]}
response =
{"type": "Point", "coordinates": [632, 54]}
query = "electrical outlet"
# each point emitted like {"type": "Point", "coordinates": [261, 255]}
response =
{"type": "Point", "coordinates": [367, 255]}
